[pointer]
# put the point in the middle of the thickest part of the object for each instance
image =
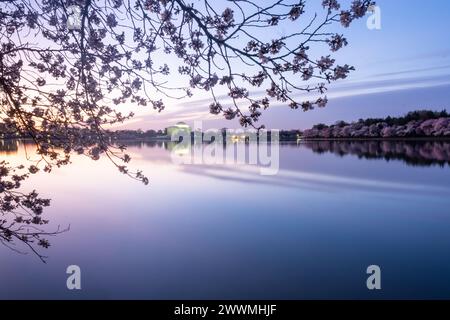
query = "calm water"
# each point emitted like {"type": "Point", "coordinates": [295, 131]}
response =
{"type": "Point", "coordinates": [227, 232]}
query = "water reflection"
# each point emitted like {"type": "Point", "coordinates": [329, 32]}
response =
{"type": "Point", "coordinates": [295, 173]}
{"type": "Point", "coordinates": [302, 169]}
{"type": "Point", "coordinates": [415, 153]}
{"type": "Point", "coordinates": [8, 146]}
{"type": "Point", "coordinates": [308, 232]}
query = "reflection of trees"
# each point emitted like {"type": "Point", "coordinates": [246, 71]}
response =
{"type": "Point", "coordinates": [415, 153]}
{"type": "Point", "coordinates": [8, 146]}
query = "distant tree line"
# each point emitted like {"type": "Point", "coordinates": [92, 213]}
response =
{"type": "Point", "coordinates": [421, 123]}
{"type": "Point", "coordinates": [285, 135]}
{"type": "Point", "coordinates": [419, 115]}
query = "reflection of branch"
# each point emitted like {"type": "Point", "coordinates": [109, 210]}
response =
{"type": "Point", "coordinates": [21, 213]}
{"type": "Point", "coordinates": [30, 239]}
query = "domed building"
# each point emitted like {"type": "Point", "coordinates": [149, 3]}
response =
{"type": "Point", "coordinates": [181, 128]}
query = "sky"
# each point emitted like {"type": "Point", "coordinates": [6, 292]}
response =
{"type": "Point", "coordinates": [401, 67]}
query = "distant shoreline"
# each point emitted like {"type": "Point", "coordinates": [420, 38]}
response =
{"type": "Point", "coordinates": [317, 139]}
{"type": "Point", "coordinates": [421, 125]}
{"type": "Point", "coordinates": [284, 140]}
{"type": "Point", "coordinates": [379, 139]}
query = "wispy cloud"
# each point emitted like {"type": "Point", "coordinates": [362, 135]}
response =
{"type": "Point", "coordinates": [378, 83]}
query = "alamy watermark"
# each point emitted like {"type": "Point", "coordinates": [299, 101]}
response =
{"type": "Point", "coordinates": [374, 20]}
{"type": "Point", "coordinates": [74, 280]}
{"type": "Point", "coordinates": [74, 17]}
{"type": "Point", "coordinates": [227, 147]}
{"type": "Point", "coordinates": [374, 279]}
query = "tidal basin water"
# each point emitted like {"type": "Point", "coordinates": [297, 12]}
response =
{"type": "Point", "coordinates": [226, 232]}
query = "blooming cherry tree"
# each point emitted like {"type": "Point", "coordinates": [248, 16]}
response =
{"type": "Point", "coordinates": [65, 73]}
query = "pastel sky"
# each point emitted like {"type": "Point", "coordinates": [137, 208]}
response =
{"type": "Point", "coordinates": [402, 67]}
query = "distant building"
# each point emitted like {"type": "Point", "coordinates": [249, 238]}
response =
{"type": "Point", "coordinates": [179, 129]}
